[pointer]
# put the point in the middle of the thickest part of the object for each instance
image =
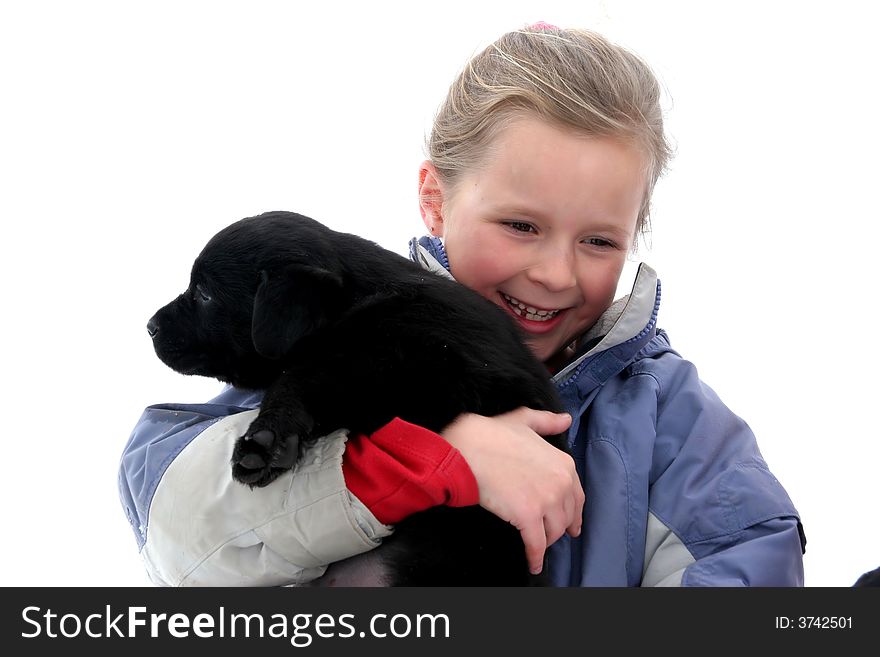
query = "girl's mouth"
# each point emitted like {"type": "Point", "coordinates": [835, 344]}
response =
{"type": "Point", "coordinates": [533, 320]}
{"type": "Point", "coordinates": [529, 312]}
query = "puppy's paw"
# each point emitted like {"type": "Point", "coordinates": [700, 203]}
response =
{"type": "Point", "coordinates": [266, 451]}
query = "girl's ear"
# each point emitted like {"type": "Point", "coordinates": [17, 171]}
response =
{"type": "Point", "coordinates": [431, 198]}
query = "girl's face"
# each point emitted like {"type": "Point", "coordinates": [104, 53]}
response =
{"type": "Point", "coordinates": [543, 227]}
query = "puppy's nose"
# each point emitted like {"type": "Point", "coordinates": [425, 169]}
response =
{"type": "Point", "coordinates": [152, 328]}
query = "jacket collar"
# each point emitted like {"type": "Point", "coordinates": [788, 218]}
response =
{"type": "Point", "coordinates": [619, 334]}
{"type": "Point", "coordinates": [429, 253]}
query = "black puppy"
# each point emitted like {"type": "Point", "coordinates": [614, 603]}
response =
{"type": "Point", "coordinates": [343, 333]}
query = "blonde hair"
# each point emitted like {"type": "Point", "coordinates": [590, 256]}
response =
{"type": "Point", "coordinates": [573, 78]}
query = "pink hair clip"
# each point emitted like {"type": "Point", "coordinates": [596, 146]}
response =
{"type": "Point", "coordinates": [541, 25]}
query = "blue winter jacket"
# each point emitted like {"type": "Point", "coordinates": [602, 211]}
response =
{"type": "Point", "coordinates": [677, 492]}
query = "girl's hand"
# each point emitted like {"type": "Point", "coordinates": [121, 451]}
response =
{"type": "Point", "coordinates": [521, 477]}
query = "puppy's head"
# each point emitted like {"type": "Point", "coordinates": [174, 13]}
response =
{"type": "Point", "coordinates": [257, 287]}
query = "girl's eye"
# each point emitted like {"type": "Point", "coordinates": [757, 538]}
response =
{"type": "Point", "coordinates": [602, 243]}
{"type": "Point", "coordinates": [520, 226]}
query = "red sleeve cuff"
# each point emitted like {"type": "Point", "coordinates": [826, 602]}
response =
{"type": "Point", "coordinates": [404, 468]}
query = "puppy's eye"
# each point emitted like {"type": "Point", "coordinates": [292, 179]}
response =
{"type": "Point", "coordinates": [202, 295]}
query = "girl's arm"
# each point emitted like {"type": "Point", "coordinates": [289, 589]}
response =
{"type": "Point", "coordinates": [195, 526]}
{"type": "Point", "coordinates": [717, 515]}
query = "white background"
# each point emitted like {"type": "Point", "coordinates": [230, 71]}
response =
{"type": "Point", "coordinates": [131, 132]}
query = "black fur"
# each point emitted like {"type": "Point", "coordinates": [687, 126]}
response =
{"type": "Point", "coordinates": [342, 333]}
{"type": "Point", "coordinates": [870, 578]}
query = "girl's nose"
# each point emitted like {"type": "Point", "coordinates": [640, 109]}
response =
{"type": "Point", "coordinates": [554, 270]}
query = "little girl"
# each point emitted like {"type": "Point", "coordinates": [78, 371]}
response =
{"type": "Point", "coordinates": [542, 162]}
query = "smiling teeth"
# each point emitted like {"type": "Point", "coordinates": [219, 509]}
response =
{"type": "Point", "coordinates": [528, 312]}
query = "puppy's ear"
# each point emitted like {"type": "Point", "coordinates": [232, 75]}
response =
{"type": "Point", "coordinates": [291, 303]}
